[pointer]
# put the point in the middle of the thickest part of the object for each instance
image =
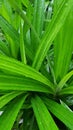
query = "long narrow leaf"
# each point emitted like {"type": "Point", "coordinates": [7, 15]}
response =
{"type": "Point", "coordinates": [22, 46]}
{"type": "Point", "coordinates": [7, 98]}
{"type": "Point", "coordinates": [7, 28]}
{"type": "Point", "coordinates": [61, 112]}
{"type": "Point", "coordinates": [65, 79]}
{"type": "Point", "coordinates": [11, 35]}
{"type": "Point", "coordinates": [16, 67]}
{"type": "Point", "coordinates": [51, 32]}
{"type": "Point", "coordinates": [8, 117]}
{"type": "Point", "coordinates": [43, 117]}
{"type": "Point", "coordinates": [38, 20]}
{"type": "Point", "coordinates": [63, 47]}
{"type": "Point", "coordinates": [22, 84]}
{"type": "Point", "coordinates": [67, 91]}
{"type": "Point", "coordinates": [4, 48]}
{"type": "Point", "coordinates": [14, 4]}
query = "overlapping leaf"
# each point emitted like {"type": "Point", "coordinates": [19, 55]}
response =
{"type": "Point", "coordinates": [67, 91]}
{"type": "Point", "coordinates": [43, 117]}
{"type": "Point", "coordinates": [16, 67]}
{"type": "Point", "coordinates": [8, 97]}
{"type": "Point", "coordinates": [38, 21]}
{"type": "Point", "coordinates": [65, 79]}
{"type": "Point", "coordinates": [9, 30]}
{"type": "Point", "coordinates": [21, 84]}
{"type": "Point", "coordinates": [63, 48]}
{"type": "Point", "coordinates": [51, 32]}
{"type": "Point", "coordinates": [61, 112]}
{"type": "Point", "coordinates": [8, 117]}
{"type": "Point", "coordinates": [4, 48]}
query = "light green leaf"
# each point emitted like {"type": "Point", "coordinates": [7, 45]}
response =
{"type": "Point", "coordinates": [22, 84]}
{"type": "Point", "coordinates": [11, 35]}
{"type": "Point", "coordinates": [26, 2]}
{"type": "Point", "coordinates": [15, 67]}
{"type": "Point", "coordinates": [65, 79]}
{"type": "Point", "coordinates": [38, 20]}
{"type": "Point", "coordinates": [43, 117]}
{"type": "Point", "coordinates": [22, 46]}
{"type": "Point", "coordinates": [8, 117]}
{"type": "Point", "coordinates": [57, 4]}
{"type": "Point", "coordinates": [8, 97]}
{"type": "Point", "coordinates": [67, 90]}
{"type": "Point", "coordinates": [6, 11]}
{"type": "Point", "coordinates": [9, 30]}
{"type": "Point", "coordinates": [51, 32]}
{"type": "Point", "coordinates": [61, 112]}
{"type": "Point", "coordinates": [63, 47]}
{"type": "Point", "coordinates": [14, 4]}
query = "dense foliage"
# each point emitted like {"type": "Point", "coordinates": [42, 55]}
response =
{"type": "Point", "coordinates": [36, 64]}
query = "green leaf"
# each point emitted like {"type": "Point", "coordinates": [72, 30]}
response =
{"type": "Point", "coordinates": [25, 3]}
{"type": "Point", "coordinates": [67, 90]}
{"type": "Point", "coordinates": [8, 97]}
{"type": "Point", "coordinates": [43, 117]}
{"type": "Point", "coordinates": [61, 112]}
{"type": "Point", "coordinates": [4, 48]}
{"type": "Point", "coordinates": [15, 67]}
{"type": "Point", "coordinates": [8, 117]}
{"type": "Point", "coordinates": [65, 79]}
{"type": "Point", "coordinates": [14, 4]}
{"type": "Point", "coordinates": [63, 48]}
{"type": "Point", "coordinates": [11, 35]}
{"type": "Point", "coordinates": [9, 30]}
{"type": "Point", "coordinates": [22, 46]}
{"type": "Point", "coordinates": [21, 84]}
{"type": "Point", "coordinates": [51, 32]}
{"type": "Point", "coordinates": [38, 20]}
{"type": "Point", "coordinates": [57, 4]}
{"type": "Point", "coordinates": [6, 11]}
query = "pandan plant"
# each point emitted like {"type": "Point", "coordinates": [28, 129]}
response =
{"type": "Point", "coordinates": [36, 64]}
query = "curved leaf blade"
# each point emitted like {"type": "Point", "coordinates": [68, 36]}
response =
{"type": "Point", "coordinates": [7, 98]}
{"type": "Point", "coordinates": [67, 90]}
{"type": "Point", "coordinates": [16, 67]}
{"type": "Point", "coordinates": [65, 79]}
{"type": "Point", "coordinates": [8, 117]}
{"type": "Point", "coordinates": [22, 84]}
